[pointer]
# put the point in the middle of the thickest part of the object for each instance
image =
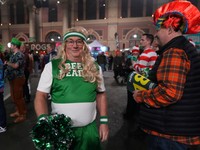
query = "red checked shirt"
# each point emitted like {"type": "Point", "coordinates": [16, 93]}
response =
{"type": "Point", "coordinates": [171, 75]}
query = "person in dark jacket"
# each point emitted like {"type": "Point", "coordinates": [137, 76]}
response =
{"type": "Point", "coordinates": [28, 67]}
{"type": "Point", "coordinates": [51, 53]}
{"type": "Point", "coordinates": [117, 65]}
{"type": "Point", "coordinates": [102, 61]}
{"type": "Point", "coordinates": [110, 62]}
{"type": "Point", "coordinates": [169, 113]}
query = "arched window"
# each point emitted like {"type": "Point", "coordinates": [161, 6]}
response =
{"type": "Point", "coordinates": [90, 38]}
{"type": "Point", "coordinates": [53, 37]}
{"type": "Point", "coordinates": [134, 40]}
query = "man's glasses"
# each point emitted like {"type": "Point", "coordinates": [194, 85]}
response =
{"type": "Point", "coordinates": [78, 42]}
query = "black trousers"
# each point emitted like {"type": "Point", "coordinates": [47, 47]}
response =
{"type": "Point", "coordinates": [26, 92]}
{"type": "Point", "coordinates": [2, 111]}
{"type": "Point", "coordinates": [132, 108]}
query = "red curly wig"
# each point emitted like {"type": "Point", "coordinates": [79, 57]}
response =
{"type": "Point", "coordinates": [179, 14]}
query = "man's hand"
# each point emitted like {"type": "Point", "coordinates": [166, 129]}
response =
{"type": "Point", "coordinates": [103, 132]}
{"type": "Point", "coordinates": [135, 96]}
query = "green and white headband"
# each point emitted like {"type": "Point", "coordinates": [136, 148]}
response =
{"type": "Point", "coordinates": [77, 34]}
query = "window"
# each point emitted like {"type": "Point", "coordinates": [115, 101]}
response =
{"type": "Point", "coordinates": [90, 38]}
{"type": "Point", "coordinates": [91, 9]}
{"type": "Point", "coordinates": [137, 8]}
{"type": "Point", "coordinates": [80, 10]}
{"type": "Point", "coordinates": [12, 14]}
{"type": "Point", "coordinates": [134, 40]}
{"type": "Point", "coordinates": [53, 13]}
{"type": "Point", "coordinates": [149, 8]}
{"type": "Point", "coordinates": [20, 12]}
{"type": "Point", "coordinates": [124, 9]}
{"type": "Point", "coordinates": [102, 6]}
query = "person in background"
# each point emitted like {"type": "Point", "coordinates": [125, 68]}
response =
{"type": "Point", "coordinates": [3, 121]}
{"type": "Point", "coordinates": [118, 62]}
{"type": "Point", "coordinates": [102, 61]}
{"type": "Point", "coordinates": [169, 113]}
{"type": "Point", "coordinates": [76, 84]}
{"type": "Point", "coordinates": [135, 53]}
{"type": "Point", "coordinates": [51, 53]}
{"type": "Point", "coordinates": [147, 58]}
{"type": "Point", "coordinates": [36, 59]}
{"type": "Point", "coordinates": [28, 67]}
{"type": "Point", "coordinates": [15, 75]}
{"type": "Point", "coordinates": [7, 53]}
{"type": "Point", "coordinates": [110, 62]}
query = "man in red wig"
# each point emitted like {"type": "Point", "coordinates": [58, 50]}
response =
{"type": "Point", "coordinates": [170, 112]}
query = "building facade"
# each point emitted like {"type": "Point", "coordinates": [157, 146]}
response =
{"type": "Point", "coordinates": [117, 24]}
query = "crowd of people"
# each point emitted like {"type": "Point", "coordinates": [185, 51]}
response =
{"type": "Point", "coordinates": [17, 64]}
{"type": "Point", "coordinates": [168, 114]}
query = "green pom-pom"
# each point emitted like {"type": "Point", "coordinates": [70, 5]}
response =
{"type": "Point", "coordinates": [53, 132]}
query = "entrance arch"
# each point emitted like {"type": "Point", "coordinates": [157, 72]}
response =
{"type": "Point", "coordinates": [133, 36]}
{"type": "Point", "coordinates": [53, 37]}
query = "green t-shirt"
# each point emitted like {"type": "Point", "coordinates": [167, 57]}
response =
{"type": "Point", "coordinates": [72, 88]}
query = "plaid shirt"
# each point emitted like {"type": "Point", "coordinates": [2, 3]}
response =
{"type": "Point", "coordinates": [171, 76]}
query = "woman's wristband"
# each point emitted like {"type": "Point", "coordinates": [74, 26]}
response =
{"type": "Point", "coordinates": [103, 119]}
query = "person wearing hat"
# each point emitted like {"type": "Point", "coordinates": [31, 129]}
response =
{"type": "Point", "coordinates": [169, 113]}
{"type": "Point", "coordinates": [15, 74]}
{"type": "Point", "coordinates": [135, 53]}
{"type": "Point", "coordinates": [76, 85]}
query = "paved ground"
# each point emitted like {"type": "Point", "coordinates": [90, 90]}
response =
{"type": "Point", "coordinates": [122, 132]}
{"type": "Point", "coordinates": [17, 137]}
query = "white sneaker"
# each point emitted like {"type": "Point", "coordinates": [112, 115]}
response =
{"type": "Point", "coordinates": [2, 129]}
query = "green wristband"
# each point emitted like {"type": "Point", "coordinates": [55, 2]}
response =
{"type": "Point", "coordinates": [103, 119]}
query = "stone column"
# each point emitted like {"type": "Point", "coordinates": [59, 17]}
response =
{"type": "Point", "coordinates": [65, 16]}
{"type": "Point", "coordinates": [112, 23]}
{"type": "Point", "coordinates": [84, 9]}
{"type": "Point", "coordinates": [73, 12]}
{"type": "Point", "coordinates": [32, 11]}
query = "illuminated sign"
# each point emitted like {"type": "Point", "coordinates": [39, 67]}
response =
{"type": "Point", "coordinates": [38, 46]}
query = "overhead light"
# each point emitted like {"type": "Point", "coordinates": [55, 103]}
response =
{"type": "Point", "coordinates": [135, 36]}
